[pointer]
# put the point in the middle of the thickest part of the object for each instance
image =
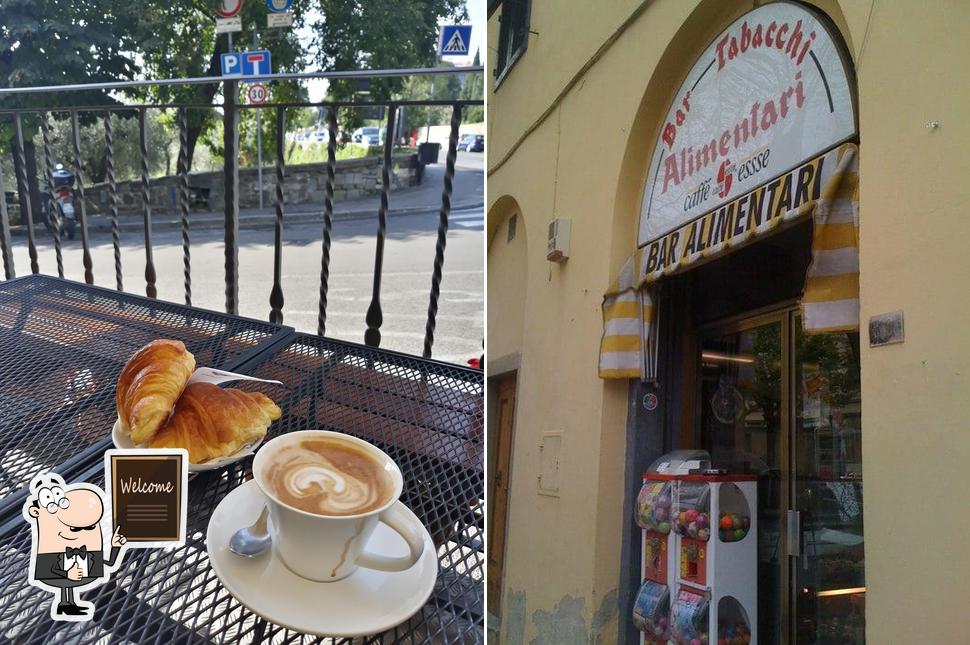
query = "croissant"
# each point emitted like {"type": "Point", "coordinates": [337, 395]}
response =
{"type": "Point", "coordinates": [210, 421]}
{"type": "Point", "coordinates": [150, 383]}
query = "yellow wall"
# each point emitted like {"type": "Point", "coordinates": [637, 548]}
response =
{"type": "Point", "coordinates": [508, 268]}
{"type": "Point", "coordinates": [914, 199]}
{"type": "Point", "coordinates": [587, 159]}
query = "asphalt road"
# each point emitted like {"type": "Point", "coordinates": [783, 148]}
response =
{"type": "Point", "coordinates": [405, 289]}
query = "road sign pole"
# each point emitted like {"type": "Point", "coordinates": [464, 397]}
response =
{"type": "Point", "coordinates": [453, 40]}
{"type": "Point", "coordinates": [259, 153]}
{"type": "Point", "coordinates": [259, 141]}
{"type": "Point", "coordinates": [427, 135]}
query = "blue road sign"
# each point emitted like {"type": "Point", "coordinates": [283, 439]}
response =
{"type": "Point", "coordinates": [279, 6]}
{"type": "Point", "coordinates": [455, 40]}
{"type": "Point", "coordinates": [254, 63]}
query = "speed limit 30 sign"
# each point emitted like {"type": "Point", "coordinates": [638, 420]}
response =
{"type": "Point", "coordinates": [257, 93]}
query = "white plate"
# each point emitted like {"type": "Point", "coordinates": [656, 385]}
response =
{"type": "Point", "coordinates": [121, 440]}
{"type": "Point", "coordinates": [365, 602]}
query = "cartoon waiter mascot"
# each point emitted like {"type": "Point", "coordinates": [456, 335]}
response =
{"type": "Point", "coordinates": [67, 554]}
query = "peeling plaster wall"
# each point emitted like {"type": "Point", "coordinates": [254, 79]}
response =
{"type": "Point", "coordinates": [563, 624]}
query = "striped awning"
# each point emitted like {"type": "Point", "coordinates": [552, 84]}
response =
{"type": "Point", "coordinates": [830, 301]}
{"type": "Point", "coordinates": [825, 187]}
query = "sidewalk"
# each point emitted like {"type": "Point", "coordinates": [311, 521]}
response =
{"type": "Point", "coordinates": [468, 192]}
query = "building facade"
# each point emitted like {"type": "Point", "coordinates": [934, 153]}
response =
{"type": "Point", "coordinates": [776, 362]}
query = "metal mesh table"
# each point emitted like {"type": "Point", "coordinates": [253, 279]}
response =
{"type": "Point", "coordinates": [62, 346]}
{"type": "Point", "coordinates": [428, 416]}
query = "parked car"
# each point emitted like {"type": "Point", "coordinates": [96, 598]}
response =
{"type": "Point", "coordinates": [472, 143]}
{"type": "Point", "coordinates": [368, 136]}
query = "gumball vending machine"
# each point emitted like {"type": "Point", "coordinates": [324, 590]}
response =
{"type": "Point", "coordinates": [715, 523]}
{"type": "Point", "coordinates": [651, 613]}
{"type": "Point", "coordinates": [654, 514]}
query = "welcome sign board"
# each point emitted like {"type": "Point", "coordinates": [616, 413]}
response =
{"type": "Point", "coordinates": [769, 93]}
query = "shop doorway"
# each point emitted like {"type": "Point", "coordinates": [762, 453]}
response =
{"type": "Point", "coordinates": [505, 387]}
{"type": "Point", "coordinates": [786, 405]}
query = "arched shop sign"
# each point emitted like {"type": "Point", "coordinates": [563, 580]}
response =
{"type": "Point", "coordinates": [770, 92]}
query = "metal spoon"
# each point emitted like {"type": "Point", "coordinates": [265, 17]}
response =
{"type": "Point", "coordinates": [250, 541]}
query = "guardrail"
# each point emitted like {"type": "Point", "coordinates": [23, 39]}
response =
{"type": "Point", "coordinates": [231, 110]}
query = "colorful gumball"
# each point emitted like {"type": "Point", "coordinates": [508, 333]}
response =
{"type": "Point", "coordinates": [692, 529]}
{"type": "Point", "coordinates": [703, 534]}
{"type": "Point", "coordinates": [660, 514]}
{"type": "Point", "coordinates": [664, 527]}
{"type": "Point", "coordinates": [696, 641]}
{"type": "Point", "coordinates": [739, 535]}
{"type": "Point", "coordinates": [727, 522]}
{"type": "Point", "coordinates": [702, 520]}
{"type": "Point", "coordinates": [690, 514]}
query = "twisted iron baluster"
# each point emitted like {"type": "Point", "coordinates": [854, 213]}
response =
{"type": "Point", "coordinates": [26, 211]}
{"type": "Point", "coordinates": [81, 209]}
{"type": "Point", "coordinates": [230, 140]}
{"type": "Point", "coordinates": [375, 317]}
{"type": "Point", "coordinates": [183, 196]}
{"type": "Point", "coordinates": [9, 271]}
{"type": "Point", "coordinates": [109, 157]}
{"type": "Point", "coordinates": [327, 218]}
{"type": "Point", "coordinates": [439, 251]}
{"type": "Point", "coordinates": [276, 295]}
{"type": "Point", "coordinates": [52, 219]}
{"type": "Point", "coordinates": [146, 202]}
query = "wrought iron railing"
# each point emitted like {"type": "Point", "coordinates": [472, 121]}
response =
{"type": "Point", "coordinates": [230, 118]}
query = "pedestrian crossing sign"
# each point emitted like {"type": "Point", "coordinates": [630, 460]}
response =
{"type": "Point", "coordinates": [455, 40]}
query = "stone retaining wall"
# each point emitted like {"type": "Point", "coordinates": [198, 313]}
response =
{"type": "Point", "coordinates": [302, 184]}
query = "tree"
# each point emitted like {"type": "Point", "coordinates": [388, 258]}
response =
{"type": "Point", "coordinates": [127, 158]}
{"type": "Point", "coordinates": [57, 42]}
{"type": "Point", "coordinates": [376, 34]}
{"type": "Point", "coordinates": [420, 88]}
{"type": "Point", "coordinates": [178, 40]}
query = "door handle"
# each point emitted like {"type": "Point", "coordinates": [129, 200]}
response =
{"type": "Point", "coordinates": [793, 533]}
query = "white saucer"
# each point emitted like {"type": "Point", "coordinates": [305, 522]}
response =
{"type": "Point", "coordinates": [364, 603]}
{"type": "Point", "coordinates": [121, 440]}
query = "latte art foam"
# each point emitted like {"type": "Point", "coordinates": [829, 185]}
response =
{"type": "Point", "coordinates": [328, 477]}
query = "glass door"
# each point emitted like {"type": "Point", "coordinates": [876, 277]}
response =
{"type": "Point", "coordinates": [786, 406]}
{"type": "Point", "coordinates": [828, 564]}
{"type": "Point", "coordinates": [744, 423]}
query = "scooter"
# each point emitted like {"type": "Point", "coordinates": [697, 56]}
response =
{"type": "Point", "coordinates": [63, 190]}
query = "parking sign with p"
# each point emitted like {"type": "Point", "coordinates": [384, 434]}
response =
{"type": "Point", "coordinates": [242, 64]}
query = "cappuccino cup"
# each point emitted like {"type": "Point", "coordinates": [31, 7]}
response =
{"type": "Point", "coordinates": [326, 493]}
